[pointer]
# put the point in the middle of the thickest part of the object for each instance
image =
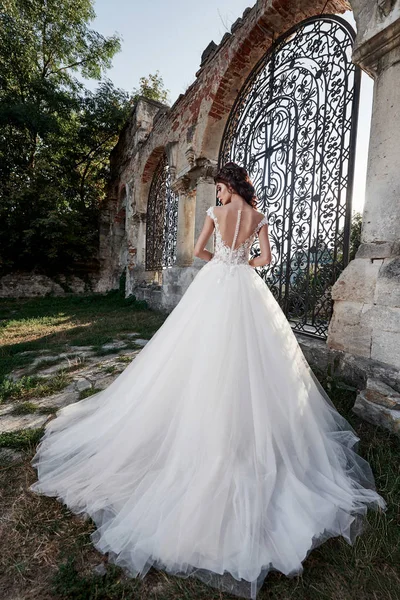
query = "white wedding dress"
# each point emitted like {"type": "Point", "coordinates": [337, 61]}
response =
{"type": "Point", "coordinates": [216, 453]}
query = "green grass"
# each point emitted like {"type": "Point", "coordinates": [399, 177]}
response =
{"type": "Point", "coordinates": [69, 583]}
{"type": "Point", "coordinates": [54, 324]}
{"type": "Point", "coordinates": [32, 386]}
{"type": "Point", "coordinates": [125, 359]}
{"type": "Point", "coordinates": [89, 392]}
{"type": "Point", "coordinates": [111, 370]}
{"type": "Point", "coordinates": [22, 439]}
{"type": "Point", "coordinates": [25, 408]}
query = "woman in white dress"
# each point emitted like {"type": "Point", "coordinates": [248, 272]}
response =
{"type": "Point", "coordinates": [216, 453]}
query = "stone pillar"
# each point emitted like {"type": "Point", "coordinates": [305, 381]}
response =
{"type": "Point", "coordinates": [196, 193]}
{"type": "Point", "coordinates": [186, 218]}
{"type": "Point", "coordinates": [366, 317]}
{"type": "Point", "coordinates": [205, 197]}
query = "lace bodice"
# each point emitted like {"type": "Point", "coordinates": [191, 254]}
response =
{"type": "Point", "coordinates": [230, 255]}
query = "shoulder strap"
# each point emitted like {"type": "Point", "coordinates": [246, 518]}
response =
{"type": "Point", "coordinates": [210, 212]}
{"type": "Point", "coordinates": [264, 221]}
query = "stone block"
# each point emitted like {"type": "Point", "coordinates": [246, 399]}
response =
{"type": "Point", "coordinates": [82, 384]}
{"type": "Point", "coordinates": [347, 312]}
{"type": "Point", "coordinates": [386, 347]}
{"type": "Point", "coordinates": [28, 285]}
{"type": "Point", "coordinates": [113, 345]}
{"type": "Point", "coordinates": [141, 342]}
{"type": "Point", "coordinates": [315, 351]}
{"type": "Point", "coordinates": [358, 281]}
{"type": "Point", "coordinates": [10, 456]}
{"type": "Point", "coordinates": [380, 318]}
{"type": "Point", "coordinates": [377, 250]}
{"type": "Point", "coordinates": [377, 414]}
{"type": "Point", "coordinates": [14, 423]}
{"type": "Point", "coordinates": [345, 331]}
{"type": "Point", "coordinates": [388, 283]}
{"type": "Point", "coordinates": [380, 393]}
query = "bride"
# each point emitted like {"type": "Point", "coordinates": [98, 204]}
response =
{"type": "Point", "coordinates": [216, 453]}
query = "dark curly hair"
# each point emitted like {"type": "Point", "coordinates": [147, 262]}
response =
{"type": "Point", "coordinates": [238, 179]}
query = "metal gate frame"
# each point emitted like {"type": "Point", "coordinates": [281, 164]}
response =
{"type": "Point", "coordinates": [309, 222]}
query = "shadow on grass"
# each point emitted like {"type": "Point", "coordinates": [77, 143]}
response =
{"type": "Point", "coordinates": [93, 321]}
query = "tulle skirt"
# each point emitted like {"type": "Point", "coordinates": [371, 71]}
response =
{"type": "Point", "coordinates": [216, 453]}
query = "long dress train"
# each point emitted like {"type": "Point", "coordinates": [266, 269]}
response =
{"type": "Point", "coordinates": [216, 453]}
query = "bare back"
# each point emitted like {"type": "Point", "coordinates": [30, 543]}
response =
{"type": "Point", "coordinates": [227, 217]}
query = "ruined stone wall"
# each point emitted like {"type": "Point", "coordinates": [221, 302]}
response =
{"type": "Point", "coordinates": [190, 132]}
{"type": "Point", "coordinates": [366, 318]}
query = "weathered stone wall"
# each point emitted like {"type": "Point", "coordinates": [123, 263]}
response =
{"type": "Point", "coordinates": [366, 318]}
{"type": "Point", "coordinates": [190, 132]}
{"type": "Point", "coordinates": [31, 285]}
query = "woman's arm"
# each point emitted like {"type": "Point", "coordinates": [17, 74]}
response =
{"type": "Point", "coordinates": [207, 230]}
{"type": "Point", "coordinates": [265, 248]}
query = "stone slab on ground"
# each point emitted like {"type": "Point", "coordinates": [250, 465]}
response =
{"type": "Point", "coordinates": [10, 423]}
{"type": "Point", "coordinates": [379, 404]}
{"type": "Point", "coordinates": [141, 342]}
{"type": "Point", "coordinates": [114, 345]}
{"type": "Point", "coordinates": [92, 372]}
{"type": "Point", "coordinates": [67, 396]}
{"type": "Point", "coordinates": [10, 456]}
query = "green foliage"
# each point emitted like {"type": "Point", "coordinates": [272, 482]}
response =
{"type": "Point", "coordinates": [355, 234]}
{"type": "Point", "coordinates": [32, 387]}
{"type": "Point", "coordinates": [55, 135]}
{"type": "Point", "coordinates": [69, 583]}
{"type": "Point", "coordinates": [23, 439]}
{"type": "Point", "coordinates": [25, 408]}
{"type": "Point", "coordinates": [316, 283]}
{"type": "Point", "coordinates": [152, 87]}
{"type": "Point", "coordinates": [89, 392]}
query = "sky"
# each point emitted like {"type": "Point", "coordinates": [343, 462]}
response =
{"type": "Point", "coordinates": [170, 37]}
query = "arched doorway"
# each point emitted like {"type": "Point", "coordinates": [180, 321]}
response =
{"type": "Point", "coordinates": [293, 126]}
{"type": "Point", "coordinates": [161, 220]}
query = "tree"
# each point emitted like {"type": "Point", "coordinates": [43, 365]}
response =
{"type": "Point", "coordinates": [152, 87]}
{"type": "Point", "coordinates": [355, 234]}
{"type": "Point", "coordinates": [55, 136]}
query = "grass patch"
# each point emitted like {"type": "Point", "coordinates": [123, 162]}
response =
{"type": "Point", "coordinates": [89, 392]}
{"type": "Point", "coordinates": [22, 439]}
{"type": "Point", "coordinates": [32, 386]}
{"type": "Point", "coordinates": [47, 410]}
{"type": "Point", "coordinates": [25, 408]}
{"type": "Point", "coordinates": [47, 551]}
{"type": "Point", "coordinates": [125, 359]}
{"type": "Point", "coordinates": [54, 323]}
{"type": "Point", "coordinates": [69, 583]}
{"type": "Point", "coordinates": [111, 370]}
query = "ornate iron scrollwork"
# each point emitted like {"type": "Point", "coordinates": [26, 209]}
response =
{"type": "Point", "coordinates": [293, 126]}
{"type": "Point", "coordinates": [162, 219]}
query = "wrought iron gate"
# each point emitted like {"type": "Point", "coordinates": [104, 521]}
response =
{"type": "Point", "coordinates": [293, 126]}
{"type": "Point", "coordinates": [161, 220]}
